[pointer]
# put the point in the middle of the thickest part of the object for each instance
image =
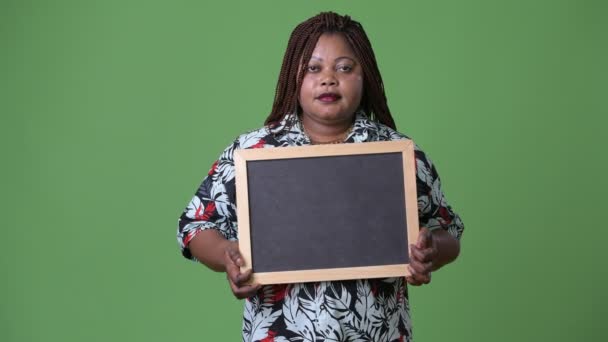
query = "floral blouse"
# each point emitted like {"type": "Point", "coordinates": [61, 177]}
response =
{"type": "Point", "coordinates": [354, 310]}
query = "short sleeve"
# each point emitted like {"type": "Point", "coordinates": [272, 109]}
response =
{"type": "Point", "coordinates": [213, 205]}
{"type": "Point", "coordinates": [433, 209]}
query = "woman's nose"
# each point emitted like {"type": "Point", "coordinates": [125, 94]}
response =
{"type": "Point", "coordinates": [329, 79]}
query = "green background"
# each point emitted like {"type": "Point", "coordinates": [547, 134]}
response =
{"type": "Point", "coordinates": [113, 111]}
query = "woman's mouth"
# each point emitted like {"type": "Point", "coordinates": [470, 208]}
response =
{"type": "Point", "coordinates": [328, 97]}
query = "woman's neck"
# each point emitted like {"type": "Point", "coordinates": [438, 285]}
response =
{"type": "Point", "coordinates": [326, 133]}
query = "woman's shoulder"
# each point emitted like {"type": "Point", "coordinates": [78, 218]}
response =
{"type": "Point", "coordinates": [284, 132]}
{"type": "Point", "coordinates": [376, 131]}
{"type": "Point", "coordinates": [270, 135]}
{"type": "Point", "coordinates": [255, 138]}
{"type": "Point", "coordinates": [388, 133]}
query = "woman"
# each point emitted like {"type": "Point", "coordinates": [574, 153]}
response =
{"type": "Point", "coordinates": [329, 91]}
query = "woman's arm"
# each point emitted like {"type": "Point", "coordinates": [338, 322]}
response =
{"type": "Point", "coordinates": [221, 255]}
{"type": "Point", "coordinates": [206, 229]}
{"type": "Point", "coordinates": [209, 247]}
{"type": "Point", "coordinates": [448, 248]}
{"type": "Point", "coordinates": [444, 249]}
{"type": "Point", "coordinates": [439, 245]}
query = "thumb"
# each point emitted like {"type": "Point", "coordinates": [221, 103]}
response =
{"type": "Point", "coordinates": [235, 256]}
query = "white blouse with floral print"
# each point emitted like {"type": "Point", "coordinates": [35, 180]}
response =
{"type": "Point", "coordinates": [354, 310]}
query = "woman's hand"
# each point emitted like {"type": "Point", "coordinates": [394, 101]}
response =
{"type": "Point", "coordinates": [433, 250]}
{"type": "Point", "coordinates": [232, 264]}
{"type": "Point", "coordinates": [422, 256]}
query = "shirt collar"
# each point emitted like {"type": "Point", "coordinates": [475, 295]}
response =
{"type": "Point", "coordinates": [292, 124]}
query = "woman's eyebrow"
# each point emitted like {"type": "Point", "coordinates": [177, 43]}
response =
{"type": "Point", "coordinates": [335, 60]}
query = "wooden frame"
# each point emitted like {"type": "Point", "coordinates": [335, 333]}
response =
{"type": "Point", "coordinates": [410, 233]}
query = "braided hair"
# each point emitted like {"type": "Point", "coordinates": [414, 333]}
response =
{"type": "Point", "coordinates": [299, 50]}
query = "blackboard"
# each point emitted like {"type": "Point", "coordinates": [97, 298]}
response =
{"type": "Point", "coordinates": [326, 212]}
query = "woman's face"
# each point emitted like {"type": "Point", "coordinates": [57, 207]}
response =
{"type": "Point", "coordinates": [333, 84]}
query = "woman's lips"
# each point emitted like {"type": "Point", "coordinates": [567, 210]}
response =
{"type": "Point", "coordinates": [328, 97]}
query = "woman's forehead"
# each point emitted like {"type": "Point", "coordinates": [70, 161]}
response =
{"type": "Point", "coordinates": [332, 46]}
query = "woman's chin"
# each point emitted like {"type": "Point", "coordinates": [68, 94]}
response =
{"type": "Point", "coordinates": [332, 117]}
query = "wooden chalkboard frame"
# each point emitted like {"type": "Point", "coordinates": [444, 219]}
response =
{"type": "Point", "coordinates": [243, 156]}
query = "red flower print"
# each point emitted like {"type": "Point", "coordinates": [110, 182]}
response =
{"type": "Point", "coordinates": [188, 237]}
{"type": "Point", "coordinates": [213, 168]}
{"type": "Point", "coordinates": [279, 292]}
{"type": "Point", "coordinates": [270, 337]}
{"type": "Point", "coordinates": [443, 211]}
{"type": "Point", "coordinates": [259, 144]}
{"type": "Point", "coordinates": [207, 213]}
{"type": "Point", "coordinates": [209, 210]}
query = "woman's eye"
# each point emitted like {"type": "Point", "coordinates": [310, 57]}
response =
{"type": "Point", "coordinates": [312, 68]}
{"type": "Point", "coordinates": [345, 68]}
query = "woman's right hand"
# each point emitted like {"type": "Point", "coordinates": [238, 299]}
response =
{"type": "Point", "coordinates": [233, 261]}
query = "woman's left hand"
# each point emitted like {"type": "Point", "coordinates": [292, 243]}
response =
{"type": "Point", "coordinates": [422, 256]}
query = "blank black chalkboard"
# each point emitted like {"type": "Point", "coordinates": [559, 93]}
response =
{"type": "Point", "coordinates": [326, 212]}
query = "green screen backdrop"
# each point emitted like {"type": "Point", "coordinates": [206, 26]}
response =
{"type": "Point", "coordinates": [113, 111]}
